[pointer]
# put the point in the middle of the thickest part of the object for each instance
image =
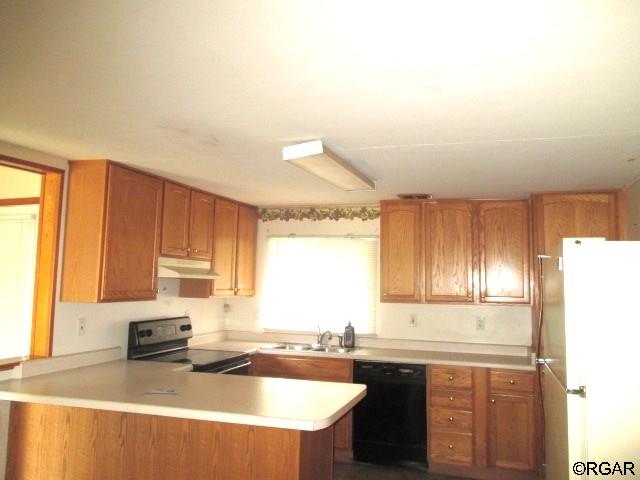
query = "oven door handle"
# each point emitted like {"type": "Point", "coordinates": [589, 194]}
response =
{"type": "Point", "coordinates": [235, 367]}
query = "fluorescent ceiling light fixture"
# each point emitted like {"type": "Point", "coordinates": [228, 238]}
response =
{"type": "Point", "coordinates": [317, 159]}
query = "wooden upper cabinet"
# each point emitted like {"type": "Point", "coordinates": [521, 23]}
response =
{"type": "Point", "coordinates": [176, 210]}
{"type": "Point", "coordinates": [246, 251]}
{"type": "Point", "coordinates": [503, 231]}
{"type": "Point", "coordinates": [235, 229]}
{"type": "Point", "coordinates": [448, 232]}
{"type": "Point", "coordinates": [112, 234]}
{"type": "Point", "coordinates": [562, 215]}
{"type": "Point", "coordinates": [187, 223]}
{"type": "Point", "coordinates": [400, 251]}
{"type": "Point", "coordinates": [224, 238]}
{"type": "Point", "coordinates": [201, 225]}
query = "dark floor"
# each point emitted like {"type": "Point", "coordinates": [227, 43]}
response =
{"type": "Point", "coordinates": [367, 471]}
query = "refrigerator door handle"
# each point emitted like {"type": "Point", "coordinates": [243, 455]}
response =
{"type": "Point", "coordinates": [581, 391]}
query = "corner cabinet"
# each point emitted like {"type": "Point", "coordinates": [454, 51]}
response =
{"type": "Point", "coordinates": [187, 223]}
{"type": "Point", "coordinates": [400, 251]}
{"type": "Point", "coordinates": [455, 251]}
{"type": "Point", "coordinates": [246, 251]}
{"type": "Point", "coordinates": [112, 233]}
{"type": "Point", "coordinates": [234, 238]}
{"type": "Point", "coordinates": [309, 368]}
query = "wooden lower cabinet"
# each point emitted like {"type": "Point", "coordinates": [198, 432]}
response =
{"type": "Point", "coordinates": [511, 432]}
{"type": "Point", "coordinates": [48, 442]}
{"type": "Point", "coordinates": [308, 368]}
{"type": "Point", "coordinates": [481, 422]}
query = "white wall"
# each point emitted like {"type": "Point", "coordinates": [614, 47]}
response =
{"type": "Point", "coordinates": [504, 325]}
{"type": "Point", "coordinates": [633, 202]}
{"type": "Point", "coordinates": [107, 323]}
{"type": "Point", "coordinates": [15, 183]}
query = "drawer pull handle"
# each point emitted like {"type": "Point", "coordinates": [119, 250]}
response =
{"type": "Point", "coordinates": [450, 419]}
{"type": "Point", "coordinates": [451, 378]}
{"type": "Point", "coordinates": [493, 400]}
{"type": "Point", "coordinates": [512, 382]}
{"type": "Point", "coordinates": [451, 399]}
{"type": "Point", "coordinates": [450, 447]}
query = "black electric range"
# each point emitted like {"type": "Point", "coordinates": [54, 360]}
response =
{"type": "Point", "coordinates": [167, 340]}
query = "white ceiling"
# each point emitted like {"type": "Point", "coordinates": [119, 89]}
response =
{"type": "Point", "coordinates": [455, 98]}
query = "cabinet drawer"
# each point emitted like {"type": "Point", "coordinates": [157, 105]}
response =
{"type": "Point", "coordinates": [448, 447]}
{"type": "Point", "coordinates": [512, 380]}
{"type": "Point", "coordinates": [305, 368]}
{"type": "Point", "coordinates": [460, 399]}
{"type": "Point", "coordinates": [450, 376]}
{"type": "Point", "coordinates": [450, 419]}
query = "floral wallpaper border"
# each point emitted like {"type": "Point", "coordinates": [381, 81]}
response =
{"type": "Point", "coordinates": [319, 213]}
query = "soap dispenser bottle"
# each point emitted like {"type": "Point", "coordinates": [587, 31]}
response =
{"type": "Point", "coordinates": [349, 336]}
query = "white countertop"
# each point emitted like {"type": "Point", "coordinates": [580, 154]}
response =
{"type": "Point", "coordinates": [126, 386]}
{"type": "Point", "coordinates": [385, 354]}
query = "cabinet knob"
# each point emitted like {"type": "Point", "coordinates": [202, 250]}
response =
{"type": "Point", "coordinates": [451, 378]}
{"type": "Point", "coordinates": [195, 250]}
{"type": "Point", "coordinates": [493, 400]}
{"type": "Point", "coordinates": [450, 419]}
{"type": "Point", "coordinates": [157, 290]}
{"type": "Point", "coordinates": [451, 399]}
{"type": "Point", "coordinates": [450, 447]}
{"type": "Point", "coordinates": [236, 290]}
{"type": "Point", "coordinates": [512, 382]}
{"type": "Point", "coordinates": [188, 249]}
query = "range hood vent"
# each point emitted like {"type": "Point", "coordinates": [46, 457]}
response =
{"type": "Point", "coordinates": [185, 268]}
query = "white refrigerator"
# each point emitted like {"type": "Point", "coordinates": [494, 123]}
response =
{"type": "Point", "coordinates": [589, 362]}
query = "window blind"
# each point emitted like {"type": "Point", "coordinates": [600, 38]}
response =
{"type": "Point", "coordinates": [325, 281]}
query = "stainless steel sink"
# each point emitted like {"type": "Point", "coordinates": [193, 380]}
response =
{"type": "Point", "coordinates": [332, 349]}
{"type": "Point", "coordinates": [294, 347]}
{"type": "Point", "coordinates": [309, 347]}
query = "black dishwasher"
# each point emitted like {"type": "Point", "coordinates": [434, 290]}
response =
{"type": "Point", "coordinates": [390, 424]}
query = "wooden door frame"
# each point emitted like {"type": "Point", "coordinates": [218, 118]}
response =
{"type": "Point", "coordinates": [49, 219]}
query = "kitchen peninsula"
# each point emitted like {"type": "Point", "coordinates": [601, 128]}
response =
{"type": "Point", "coordinates": [142, 420]}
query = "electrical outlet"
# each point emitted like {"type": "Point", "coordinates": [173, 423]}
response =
{"type": "Point", "coordinates": [480, 323]}
{"type": "Point", "coordinates": [82, 326]}
{"type": "Point", "coordinates": [413, 320]}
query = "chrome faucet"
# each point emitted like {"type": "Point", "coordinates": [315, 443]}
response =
{"type": "Point", "coordinates": [321, 337]}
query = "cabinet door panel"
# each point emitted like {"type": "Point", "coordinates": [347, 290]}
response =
{"type": "Point", "coordinates": [578, 215]}
{"type": "Point", "coordinates": [131, 236]}
{"type": "Point", "coordinates": [224, 246]}
{"type": "Point", "coordinates": [175, 220]}
{"type": "Point", "coordinates": [504, 251]}
{"type": "Point", "coordinates": [246, 251]}
{"type": "Point", "coordinates": [201, 234]}
{"type": "Point", "coordinates": [511, 431]}
{"type": "Point", "coordinates": [400, 252]}
{"type": "Point", "coordinates": [448, 252]}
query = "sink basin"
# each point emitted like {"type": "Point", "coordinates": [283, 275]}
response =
{"type": "Point", "coordinates": [295, 347]}
{"type": "Point", "coordinates": [332, 349]}
{"type": "Point", "coordinates": [309, 347]}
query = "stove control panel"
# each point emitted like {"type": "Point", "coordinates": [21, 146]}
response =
{"type": "Point", "coordinates": [151, 332]}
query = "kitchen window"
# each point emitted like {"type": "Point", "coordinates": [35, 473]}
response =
{"type": "Point", "coordinates": [326, 281]}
